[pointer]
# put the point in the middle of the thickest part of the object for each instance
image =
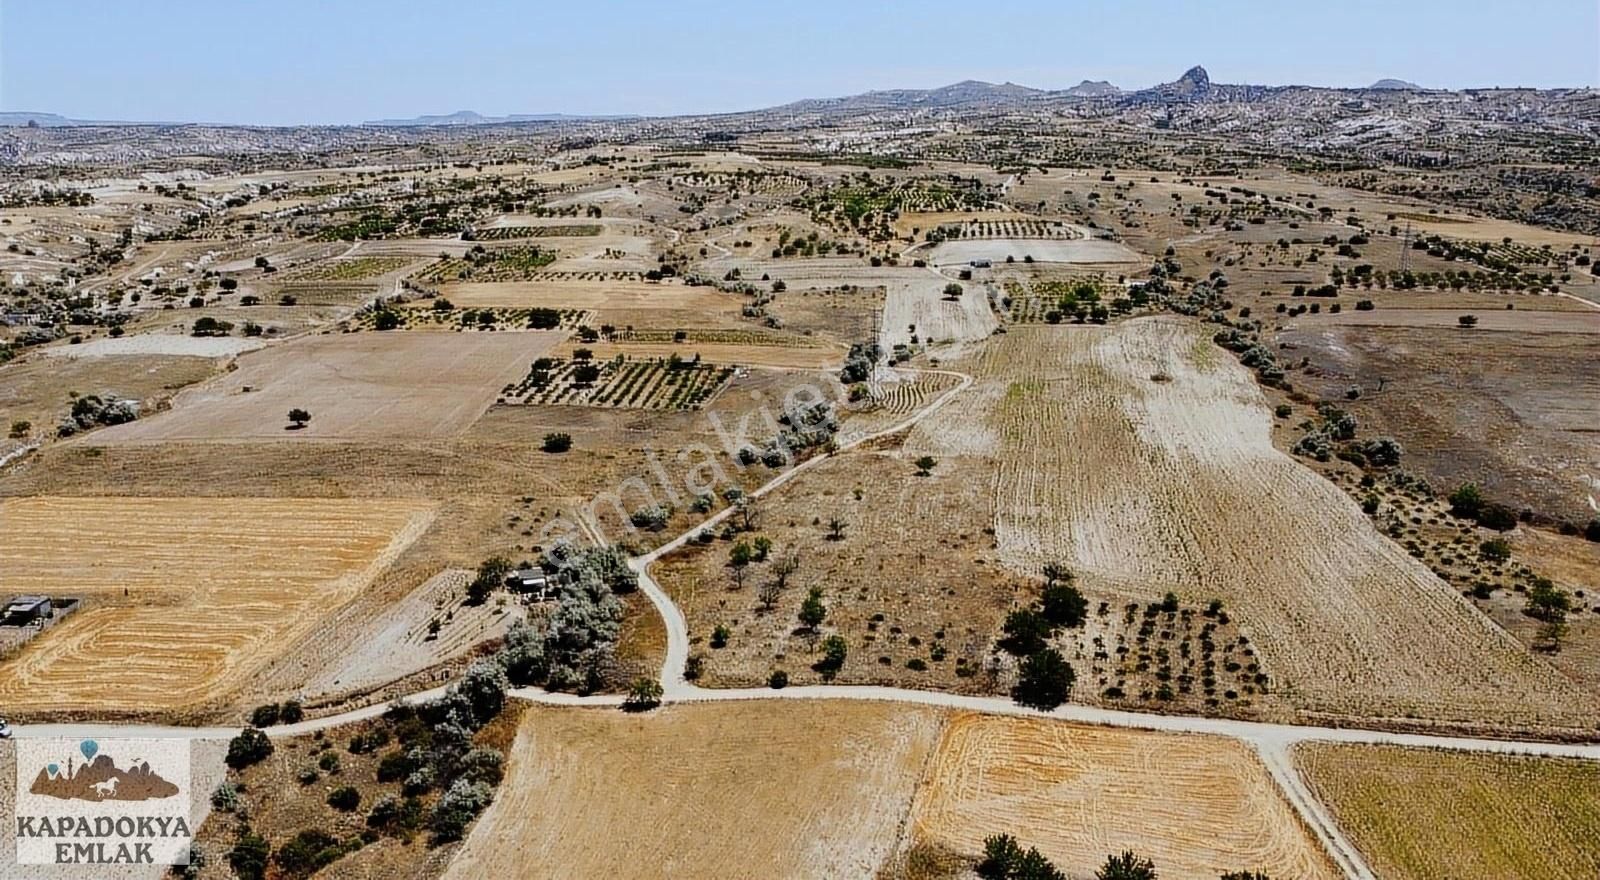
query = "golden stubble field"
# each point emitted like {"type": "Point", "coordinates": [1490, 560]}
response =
{"type": "Point", "coordinates": [797, 789]}
{"type": "Point", "coordinates": [1423, 814]}
{"type": "Point", "coordinates": [1141, 455]}
{"type": "Point", "coordinates": [184, 598]}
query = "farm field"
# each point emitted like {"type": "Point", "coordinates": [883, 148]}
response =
{"type": "Point", "coordinates": [690, 784]}
{"type": "Point", "coordinates": [39, 390]}
{"type": "Point", "coordinates": [651, 304]}
{"type": "Point", "coordinates": [1420, 814]}
{"type": "Point", "coordinates": [1512, 412]}
{"type": "Point", "coordinates": [351, 269]}
{"type": "Point", "coordinates": [1145, 486]}
{"type": "Point", "coordinates": [356, 386]}
{"type": "Point", "coordinates": [742, 348]}
{"type": "Point", "coordinates": [1516, 321]}
{"type": "Point", "coordinates": [1049, 250]}
{"type": "Point", "coordinates": [1197, 806]}
{"type": "Point", "coordinates": [184, 598]}
{"type": "Point", "coordinates": [920, 615]}
{"type": "Point", "coordinates": [641, 383]}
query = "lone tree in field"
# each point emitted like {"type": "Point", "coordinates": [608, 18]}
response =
{"type": "Point", "coordinates": [925, 465]}
{"type": "Point", "coordinates": [643, 696]}
{"type": "Point", "coordinates": [298, 418]}
{"type": "Point", "coordinates": [1467, 321]}
{"type": "Point", "coordinates": [836, 527]}
{"type": "Point", "coordinates": [953, 291]}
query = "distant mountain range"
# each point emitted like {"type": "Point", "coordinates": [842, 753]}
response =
{"type": "Point", "coordinates": [1194, 87]}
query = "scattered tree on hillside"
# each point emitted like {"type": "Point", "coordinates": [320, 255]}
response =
{"type": "Point", "coordinates": [1044, 681]}
{"type": "Point", "coordinates": [298, 417]}
{"type": "Point", "coordinates": [1126, 867]}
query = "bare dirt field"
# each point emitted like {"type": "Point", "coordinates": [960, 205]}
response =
{"type": "Point", "coordinates": [1513, 412]}
{"type": "Point", "coordinates": [1419, 814]}
{"type": "Point", "coordinates": [619, 302]}
{"type": "Point", "coordinates": [1145, 485]}
{"type": "Point", "coordinates": [1082, 250]}
{"type": "Point", "coordinates": [367, 386]}
{"type": "Point", "coordinates": [691, 788]}
{"type": "Point", "coordinates": [157, 344]}
{"type": "Point", "coordinates": [1197, 806]}
{"type": "Point", "coordinates": [184, 598]}
{"type": "Point", "coordinates": [1586, 321]}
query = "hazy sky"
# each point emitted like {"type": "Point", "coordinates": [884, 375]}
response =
{"type": "Point", "coordinates": [297, 61]}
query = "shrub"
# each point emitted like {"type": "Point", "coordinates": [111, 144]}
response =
{"type": "Point", "coordinates": [291, 712]}
{"type": "Point", "coordinates": [344, 799]}
{"type": "Point", "coordinates": [457, 807]}
{"type": "Point", "coordinates": [643, 696]}
{"type": "Point", "coordinates": [308, 852]}
{"type": "Point", "coordinates": [225, 798]}
{"type": "Point", "coordinates": [1466, 502]}
{"type": "Point", "coordinates": [264, 716]}
{"type": "Point", "coordinates": [778, 680]}
{"type": "Point", "coordinates": [1126, 867]}
{"type": "Point", "coordinates": [251, 746]}
{"type": "Point", "coordinates": [1495, 549]}
{"type": "Point", "coordinates": [834, 651]}
{"type": "Point", "coordinates": [557, 442]}
{"type": "Point", "coordinates": [249, 855]}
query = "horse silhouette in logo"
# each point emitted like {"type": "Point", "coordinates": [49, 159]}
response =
{"type": "Point", "coordinates": [99, 779]}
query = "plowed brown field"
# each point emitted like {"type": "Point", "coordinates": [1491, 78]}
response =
{"type": "Point", "coordinates": [750, 790]}
{"type": "Point", "coordinates": [1197, 806]}
{"type": "Point", "coordinates": [1145, 486]}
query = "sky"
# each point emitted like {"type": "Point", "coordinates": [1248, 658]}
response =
{"type": "Point", "coordinates": [346, 61]}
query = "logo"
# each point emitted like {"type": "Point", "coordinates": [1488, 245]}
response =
{"type": "Point", "coordinates": [103, 802]}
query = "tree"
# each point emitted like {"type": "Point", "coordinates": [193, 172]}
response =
{"type": "Point", "coordinates": [763, 548]}
{"type": "Point", "coordinates": [784, 567]}
{"type": "Point", "coordinates": [812, 610]}
{"type": "Point", "coordinates": [1026, 632]}
{"type": "Point", "coordinates": [1057, 571]}
{"type": "Point", "coordinates": [557, 442]}
{"type": "Point", "coordinates": [1001, 853]}
{"type": "Point", "coordinates": [925, 465]}
{"type": "Point", "coordinates": [1064, 605]}
{"type": "Point", "coordinates": [953, 291]}
{"type": "Point", "coordinates": [491, 575]}
{"type": "Point", "coordinates": [836, 527]}
{"type": "Point", "coordinates": [1044, 681]}
{"type": "Point", "coordinates": [1467, 321]}
{"type": "Point", "coordinates": [1547, 602]}
{"type": "Point", "coordinates": [643, 696]}
{"type": "Point", "coordinates": [1126, 867]}
{"type": "Point", "coordinates": [739, 559]}
{"type": "Point", "coordinates": [1245, 875]}
{"type": "Point", "coordinates": [1467, 501]}
{"type": "Point", "coordinates": [385, 319]}
{"type": "Point", "coordinates": [834, 651]}
{"type": "Point", "coordinates": [298, 417]}
{"type": "Point", "coordinates": [251, 746]}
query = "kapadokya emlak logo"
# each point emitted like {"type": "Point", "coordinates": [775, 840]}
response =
{"type": "Point", "coordinates": [98, 778]}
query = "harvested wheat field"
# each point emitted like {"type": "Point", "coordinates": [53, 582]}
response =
{"type": "Point", "coordinates": [183, 598]}
{"type": "Point", "coordinates": [770, 789]}
{"type": "Point", "coordinates": [1141, 455]}
{"type": "Point", "coordinates": [1197, 806]}
{"type": "Point", "coordinates": [355, 386]}
{"type": "Point", "coordinates": [1420, 814]}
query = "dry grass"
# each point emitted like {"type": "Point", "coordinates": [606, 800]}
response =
{"type": "Point", "coordinates": [184, 598]}
{"type": "Point", "coordinates": [1419, 814]}
{"type": "Point", "coordinates": [772, 789]}
{"type": "Point", "coordinates": [367, 386]}
{"type": "Point", "coordinates": [1145, 487]}
{"type": "Point", "coordinates": [1196, 805]}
